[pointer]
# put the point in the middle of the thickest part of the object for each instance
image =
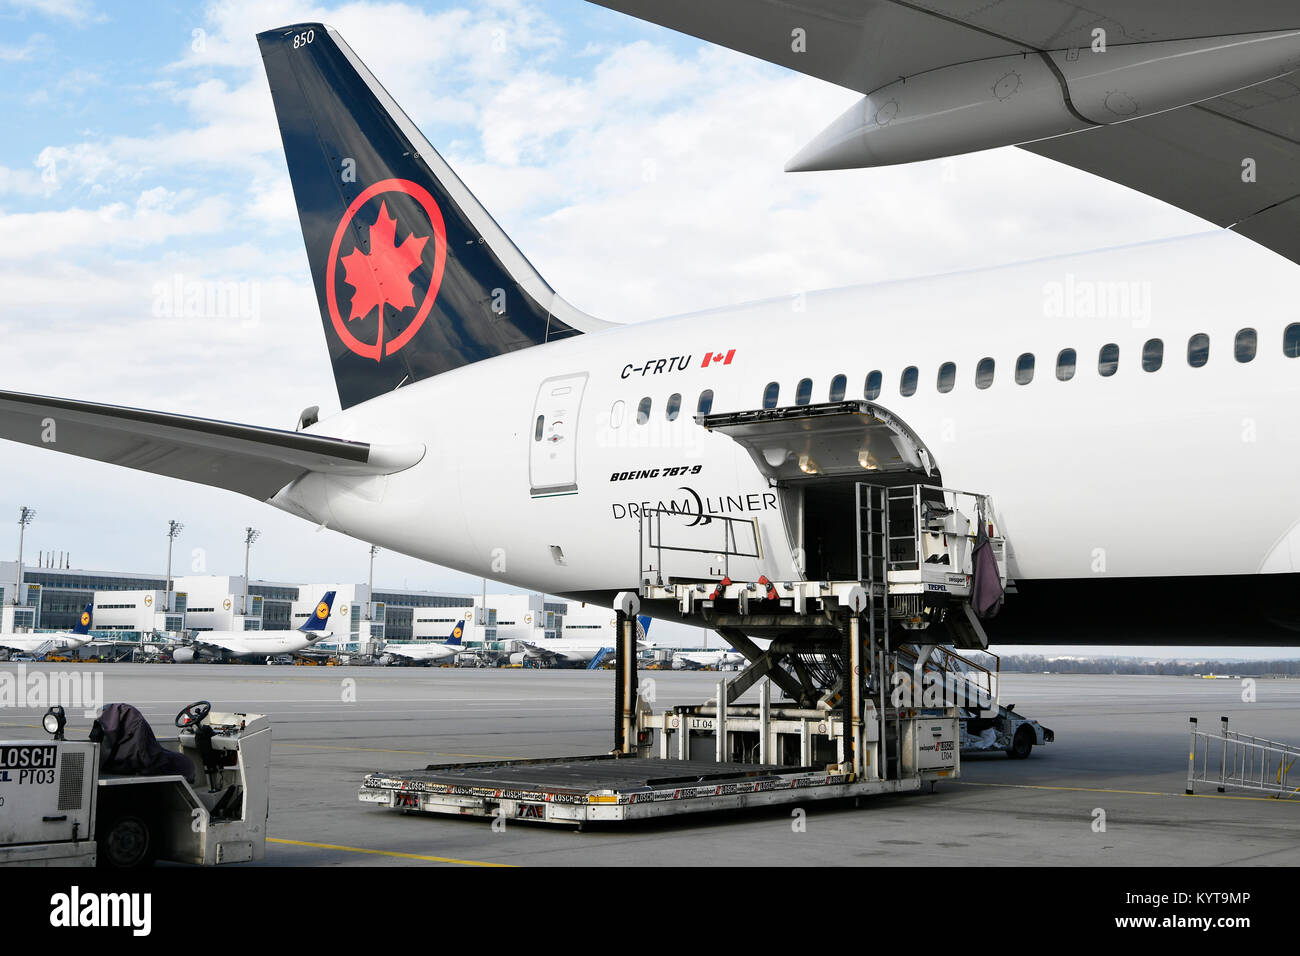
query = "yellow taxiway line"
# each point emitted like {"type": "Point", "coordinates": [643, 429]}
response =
{"type": "Point", "coordinates": [1139, 793]}
{"type": "Point", "coordinates": [400, 856]}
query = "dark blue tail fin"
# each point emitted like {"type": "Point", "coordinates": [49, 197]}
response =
{"type": "Point", "coordinates": [86, 621]}
{"type": "Point", "coordinates": [413, 276]}
{"type": "Point", "coordinates": [456, 633]}
{"type": "Point", "coordinates": [316, 619]}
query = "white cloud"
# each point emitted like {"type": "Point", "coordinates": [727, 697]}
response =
{"type": "Point", "coordinates": [156, 216]}
{"type": "Point", "coordinates": [76, 12]}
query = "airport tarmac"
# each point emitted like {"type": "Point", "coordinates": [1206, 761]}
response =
{"type": "Point", "coordinates": [1121, 748]}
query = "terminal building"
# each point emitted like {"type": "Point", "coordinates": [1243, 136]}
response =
{"type": "Point", "coordinates": [128, 607]}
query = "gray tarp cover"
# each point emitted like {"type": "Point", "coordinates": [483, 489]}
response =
{"type": "Point", "coordinates": [127, 745]}
{"type": "Point", "coordinates": [986, 589]}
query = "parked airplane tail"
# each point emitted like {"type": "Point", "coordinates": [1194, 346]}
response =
{"type": "Point", "coordinates": [456, 633]}
{"type": "Point", "coordinates": [317, 619]}
{"type": "Point", "coordinates": [86, 621]}
{"type": "Point", "coordinates": [413, 276]}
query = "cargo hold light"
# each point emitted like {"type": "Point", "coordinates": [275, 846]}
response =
{"type": "Point", "coordinates": [1023, 98]}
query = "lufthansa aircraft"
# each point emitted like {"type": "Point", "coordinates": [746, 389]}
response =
{"type": "Point", "coordinates": [1141, 462]}
{"type": "Point", "coordinates": [223, 645]}
{"type": "Point", "coordinates": [52, 641]}
{"type": "Point", "coordinates": [430, 652]}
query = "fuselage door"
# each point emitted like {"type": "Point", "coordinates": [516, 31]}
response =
{"type": "Point", "coordinates": [552, 440]}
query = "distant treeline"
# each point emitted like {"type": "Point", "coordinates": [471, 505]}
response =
{"type": "Point", "coordinates": [1037, 664]}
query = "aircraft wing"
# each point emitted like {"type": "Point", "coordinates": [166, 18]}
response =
{"type": "Point", "coordinates": [538, 653]}
{"type": "Point", "coordinates": [1191, 156]}
{"type": "Point", "coordinates": [866, 44]}
{"type": "Point", "coordinates": [253, 461]}
{"type": "Point", "coordinates": [234, 647]}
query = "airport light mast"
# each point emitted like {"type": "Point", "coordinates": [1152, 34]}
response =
{"type": "Point", "coordinates": [25, 516]}
{"type": "Point", "coordinates": [174, 528]}
{"type": "Point", "coordinates": [250, 535]}
{"type": "Point", "coordinates": [370, 586]}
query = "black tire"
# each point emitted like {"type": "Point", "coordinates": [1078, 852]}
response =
{"type": "Point", "coordinates": [125, 843]}
{"type": "Point", "coordinates": [1022, 745]}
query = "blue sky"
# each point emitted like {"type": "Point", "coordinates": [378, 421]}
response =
{"type": "Point", "coordinates": [640, 170]}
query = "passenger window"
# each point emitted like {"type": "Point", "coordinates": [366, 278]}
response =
{"type": "Point", "coordinates": [803, 393]}
{"type": "Point", "coordinates": [872, 389]}
{"type": "Point", "coordinates": [1065, 363]}
{"type": "Point", "coordinates": [984, 373]}
{"type": "Point", "coordinates": [839, 385]}
{"type": "Point", "coordinates": [706, 402]}
{"type": "Point", "coordinates": [674, 406]}
{"type": "Point", "coordinates": [947, 377]}
{"type": "Point", "coordinates": [1153, 355]}
{"type": "Point", "coordinates": [616, 414]}
{"type": "Point", "coordinates": [1198, 350]}
{"type": "Point", "coordinates": [1291, 341]}
{"type": "Point", "coordinates": [1246, 344]}
{"type": "Point", "coordinates": [771, 394]}
{"type": "Point", "coordinates": [1025, 369]}
{"type": "Point", "coordinates": [1108, 360]}
{"type": "Point", "coordinates": [537, 432]}
{"type": "Point", "coordinates": [907, 385]}
{"type": "Point", "coordinates": [643, 411]}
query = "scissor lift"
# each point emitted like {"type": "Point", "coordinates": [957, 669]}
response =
{"type": "Point", "coordinates": [890, 559]}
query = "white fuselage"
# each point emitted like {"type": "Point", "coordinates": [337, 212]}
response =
{"type": "Point", "coordinates": [683, 659]}
{"type": "Point", "coordinates": [1181, 471]}
{"type": "Point", "coordinates": [257, 644]}
{"type": "Point", "coordinates": [425, 652]}
{"type": "Point", "coordinates": [564, 649]}
{"type": "Point", "coordinates": [30, 643]}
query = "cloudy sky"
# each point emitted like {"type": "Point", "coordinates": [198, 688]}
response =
{"type": "Point", "coordinates": [641, 172]}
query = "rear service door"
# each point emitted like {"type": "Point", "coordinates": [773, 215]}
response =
{"type": "Point", "coordinates": [553, 449]}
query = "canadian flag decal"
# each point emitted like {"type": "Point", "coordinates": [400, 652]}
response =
{"type": "Point", "coordinates": [717, 358]}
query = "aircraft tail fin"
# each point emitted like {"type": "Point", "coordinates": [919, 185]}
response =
{"type": "Point", "coordinates": [457, 633]}
{"type": "Point", "coordinates": [413, 276]}
{"type": "Point", "coordinates": [318, 618]}
{"type": "Point", "coordinates": [86, 621]}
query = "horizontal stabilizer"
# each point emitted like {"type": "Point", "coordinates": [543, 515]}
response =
{"type": "Point", "coordinates": [253, 461]}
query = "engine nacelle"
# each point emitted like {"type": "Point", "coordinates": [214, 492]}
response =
{"type": "Point", "coordinates": [184, 655]}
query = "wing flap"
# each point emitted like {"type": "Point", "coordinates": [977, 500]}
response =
{"type": "Point", "coordinates": [250, 460]}
{"type": "Point", "coordinates": [1234, 160]}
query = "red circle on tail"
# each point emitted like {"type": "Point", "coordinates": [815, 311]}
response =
{"type": "Point", "coordinates": [379, 349]}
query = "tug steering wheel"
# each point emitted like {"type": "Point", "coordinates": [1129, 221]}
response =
{"type": "Point", "coordinates": [192, 714]}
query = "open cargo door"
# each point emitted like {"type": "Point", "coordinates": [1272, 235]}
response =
{"type": "Point", "coordinates": [815, 455]}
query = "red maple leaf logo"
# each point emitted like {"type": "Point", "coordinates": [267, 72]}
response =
{"type": "Point", "coordinates": [383, 275]}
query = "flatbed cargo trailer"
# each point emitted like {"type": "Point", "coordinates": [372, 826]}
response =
{"type": "Point", "coordinates": [610, 788]}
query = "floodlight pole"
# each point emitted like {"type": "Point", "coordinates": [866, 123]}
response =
{"type": "Point", "coordinates": [25, 516]}
{"type": "Point", "coordinates": [174, 528]}
{"type": "Point", "coordinates": [250, 535]}
{"type": "Point", "coordinates": [370, 586]}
